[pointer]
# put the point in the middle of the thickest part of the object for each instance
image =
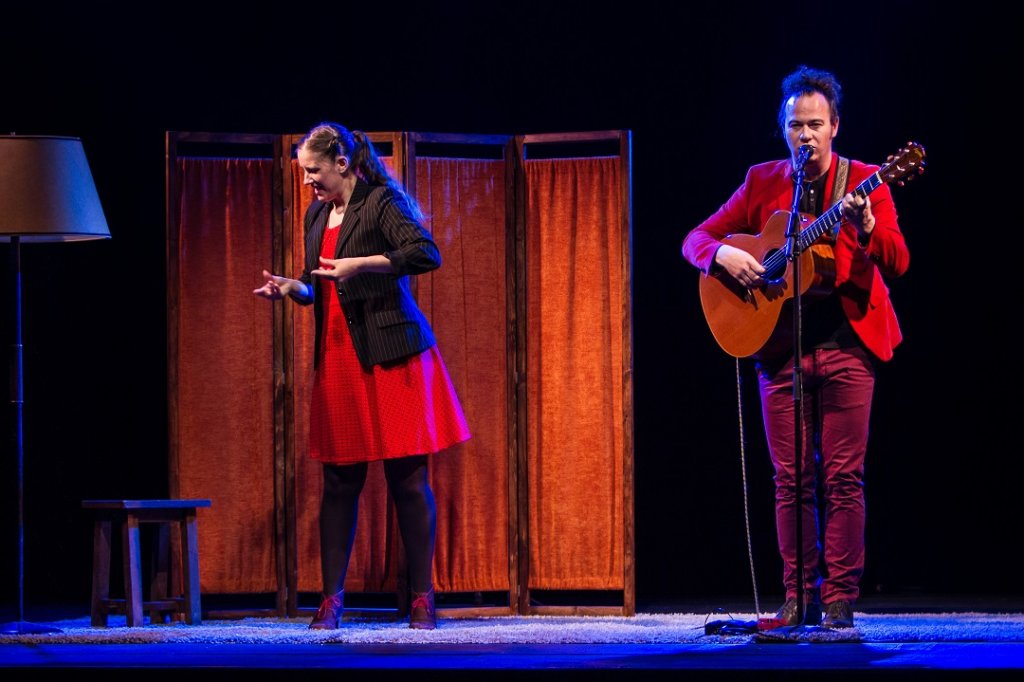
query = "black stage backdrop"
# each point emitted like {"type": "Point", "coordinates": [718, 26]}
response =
{"type": "Point", "coordinates": [698, 86]}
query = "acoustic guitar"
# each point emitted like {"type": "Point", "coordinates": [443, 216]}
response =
{"type": "Point", "coordinates": [746, 322]}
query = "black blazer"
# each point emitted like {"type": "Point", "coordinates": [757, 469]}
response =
{"type": "Point", "coordinates": [383, 318]}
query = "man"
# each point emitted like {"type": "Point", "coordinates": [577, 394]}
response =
{"type": "Point", "coordinates": [843, 334]}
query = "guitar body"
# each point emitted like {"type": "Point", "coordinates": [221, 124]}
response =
{"type": "Point", "coordinates": [758, 322]}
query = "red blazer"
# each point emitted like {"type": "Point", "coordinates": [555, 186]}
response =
{"type": "Point", "coordinates": [864, 295]}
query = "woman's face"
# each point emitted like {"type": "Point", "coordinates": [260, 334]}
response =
{"type": "Point", "coordinates": [324, 175]}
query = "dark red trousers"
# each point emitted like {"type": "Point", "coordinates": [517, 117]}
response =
{"type": "Point", "coordinates": [838, 385]}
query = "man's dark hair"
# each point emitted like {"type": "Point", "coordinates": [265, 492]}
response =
{"type": "Point", "coordinates": [806, 81]}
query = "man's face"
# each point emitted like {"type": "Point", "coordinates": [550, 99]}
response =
{"type": "Point", "coordinates": [809, 121]}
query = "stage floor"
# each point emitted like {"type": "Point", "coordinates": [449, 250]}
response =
{"type": "Point", "coordinates": [493, 662]}
{"type": "Point", "coordinates": [735, 658]}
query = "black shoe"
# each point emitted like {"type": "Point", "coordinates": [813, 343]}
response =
{"type": "Point", "coordinates": [787, 614]}
{"type": "Point", "coordinates": [838, 614]}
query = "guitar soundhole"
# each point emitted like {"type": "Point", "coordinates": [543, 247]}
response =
{"type": "Point", "coordinates": [775, 268]}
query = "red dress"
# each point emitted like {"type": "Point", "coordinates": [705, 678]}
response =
{"type": "Point", "coordinates": [360, 415]}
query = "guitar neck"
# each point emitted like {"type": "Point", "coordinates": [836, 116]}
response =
{"type": "Point", "coordinates": [830, 219]}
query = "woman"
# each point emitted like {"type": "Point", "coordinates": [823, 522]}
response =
{"type": "Point", "coordinates": [380, 390]}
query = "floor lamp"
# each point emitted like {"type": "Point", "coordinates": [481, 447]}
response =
{"type": "Point", "coordinates": [46, 195]}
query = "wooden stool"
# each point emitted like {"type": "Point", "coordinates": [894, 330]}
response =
{"type": "Point", "coordinates": [129, 514]}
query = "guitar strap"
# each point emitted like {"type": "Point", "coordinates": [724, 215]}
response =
{"type": "Point", "coordinates": [842, 175]}
{"type": "Point", "coordinates": [839, 187]}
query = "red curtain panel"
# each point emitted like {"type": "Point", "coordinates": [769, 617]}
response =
{"type": "Point", "coordinates": [224, 361]}
{"type": "Point", "coordinates": [574, 373]}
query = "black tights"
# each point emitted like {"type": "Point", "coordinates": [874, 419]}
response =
{"type": "Point", "coordinates": [414, 503]}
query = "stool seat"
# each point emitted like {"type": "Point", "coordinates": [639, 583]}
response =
{"type": "Point", "coordinates": [128, 514]}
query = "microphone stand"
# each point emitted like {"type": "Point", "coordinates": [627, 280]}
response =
{"type": "Point", "coordinates": [793, 253]}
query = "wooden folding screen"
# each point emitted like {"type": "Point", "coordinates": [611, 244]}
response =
{"type": "Point", "coordinates": [578, 455]}
{"type": "Point", "coordinates": [463, 182]}
{"type": "Point", "coordinates": [541, 361]}
{"type": "Point", "coordinates": [224, 411]}
{"type": "Point", "coordinates": [376, 556]}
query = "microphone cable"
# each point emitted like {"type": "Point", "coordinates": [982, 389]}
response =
{"type": "Point", "coordinates": [732, 626]}
{"type": "Point", "coordinates": [746, 497]}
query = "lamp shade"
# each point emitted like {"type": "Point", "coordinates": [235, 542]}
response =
{"type": "Point", "coordinates": [46, 191]}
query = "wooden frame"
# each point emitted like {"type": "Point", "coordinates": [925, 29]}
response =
{"type": "Point", "coordinates": [404, 150]}
{"type": "Point", "coordinates": [623, 140]}
{"type": "Point", "coordinates": [284, 253]}
{"type": "Point", "coordinates": [503, 142]}
{"type": "Point", "coordinates": [173, 142]}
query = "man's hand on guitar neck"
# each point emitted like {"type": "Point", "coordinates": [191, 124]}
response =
{"type": "Point", "coordinates": [742, 266]}
{"type": "Point", "coordinates": [857, 211]}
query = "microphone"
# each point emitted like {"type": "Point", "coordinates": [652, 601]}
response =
{"type": "Point", "coordinates": [803, 155]}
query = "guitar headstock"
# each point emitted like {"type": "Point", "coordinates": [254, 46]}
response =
{"type": "Point", "coordinates": [904, 165]}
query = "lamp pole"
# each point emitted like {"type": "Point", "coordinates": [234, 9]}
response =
{"type": "Point", "coordinates": [19, 626]}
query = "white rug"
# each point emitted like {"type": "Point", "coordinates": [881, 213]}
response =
{"type": "Point", "coordinates": [640, 629]}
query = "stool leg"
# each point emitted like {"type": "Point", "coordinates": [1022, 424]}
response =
{"type": "Point", "coordinates": [132, 572]}
{"type": "Point", "coordinates": [190, 568]}
{"type": "Point", "coordinates": [158, 584]}
{"type": "Point", "coordinates": [100, 573]}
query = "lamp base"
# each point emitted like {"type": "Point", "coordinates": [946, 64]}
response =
{"type": "Point", "coordinates": [21, 627]}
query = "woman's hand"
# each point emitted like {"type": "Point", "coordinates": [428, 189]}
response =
{"type": "Point", "coordinates": [338, 269]}
{"type": "Point", "coordinates": [276, 288]}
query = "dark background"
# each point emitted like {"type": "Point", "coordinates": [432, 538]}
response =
{"type": "Point", "coordinates": [698, 86]}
